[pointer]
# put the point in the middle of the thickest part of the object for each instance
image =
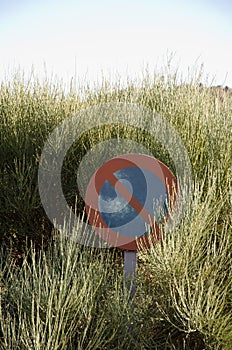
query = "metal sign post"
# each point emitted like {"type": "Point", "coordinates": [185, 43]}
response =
{"type": "Point", "coordinates": [130, 261]}
{"type": "Point", "coordinates": [130, 265]}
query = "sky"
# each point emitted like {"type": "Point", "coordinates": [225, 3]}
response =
{"type": "Point", "coordinates": [91, 39]}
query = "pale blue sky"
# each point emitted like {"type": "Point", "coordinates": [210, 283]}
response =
{"type": "Point", "coordinates": [91, 38]}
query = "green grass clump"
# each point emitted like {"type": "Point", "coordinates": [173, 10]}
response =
{"type": "Point", "coordinates": [61, 295]}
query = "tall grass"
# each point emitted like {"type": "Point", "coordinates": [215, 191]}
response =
{"type": "Point", "coordinates": [57, 294]}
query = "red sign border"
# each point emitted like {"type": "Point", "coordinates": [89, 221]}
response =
{"type": "Point", "coordinates": [105, 172]}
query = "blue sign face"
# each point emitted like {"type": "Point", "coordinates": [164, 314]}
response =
{"type": "Point", "coordinates": [146, 188]}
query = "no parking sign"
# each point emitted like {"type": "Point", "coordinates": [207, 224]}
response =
{"type": "Point", "coordinates": [127, 197]}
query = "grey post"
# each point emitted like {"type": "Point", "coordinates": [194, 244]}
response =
{"type": "Point", "coordinates": [130, 257]}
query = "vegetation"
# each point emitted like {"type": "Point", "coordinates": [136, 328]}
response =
{"type": "Point", "coordinates": [57, 294]}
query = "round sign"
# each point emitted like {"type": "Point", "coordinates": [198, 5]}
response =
{"type": "Point", "coordinates": [129, 196]}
